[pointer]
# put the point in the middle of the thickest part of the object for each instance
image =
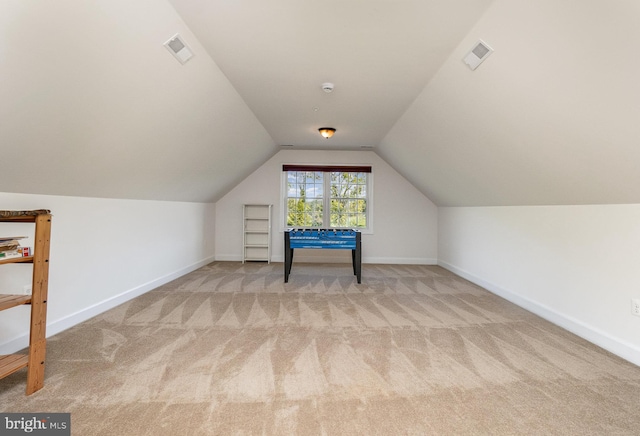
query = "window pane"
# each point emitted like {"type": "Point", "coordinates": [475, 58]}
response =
{"type": "Point", "coordinates": [346, 211]}
{"type": "Point", "coordinates": [304, 198]}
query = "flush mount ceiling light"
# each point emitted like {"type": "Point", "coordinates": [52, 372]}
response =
{"type": "Point", "coordinates": [327, 87]}
{"type": "Point", "coordinates": [327, 132]}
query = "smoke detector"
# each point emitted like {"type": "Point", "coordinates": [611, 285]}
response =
{"type": "Point", "coordinates": [327, 87]}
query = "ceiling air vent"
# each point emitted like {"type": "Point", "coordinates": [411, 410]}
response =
{"type": "Point", "coordinates": [179, 49]}
{"type": "Point", "coordinates": [477, 54]}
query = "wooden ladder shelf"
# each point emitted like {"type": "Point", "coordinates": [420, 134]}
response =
{"type": "Point", "coordinates": [34, 359]}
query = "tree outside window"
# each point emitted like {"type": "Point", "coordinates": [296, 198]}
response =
{"type": "Point", "coordinates": [348, 200]}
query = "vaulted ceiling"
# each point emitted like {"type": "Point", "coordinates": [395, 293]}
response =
{"type": "Point", "coordinates": [379, 55]}
{"type": "Point", "coordinates": [92, 104]}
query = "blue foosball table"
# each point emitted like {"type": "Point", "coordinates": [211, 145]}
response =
{"type": "Point", "coordinates": [333, 239]}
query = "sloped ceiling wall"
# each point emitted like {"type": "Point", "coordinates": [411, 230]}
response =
{"type": "Point", "coordinates": [551, 117]}
{"type": "Point", "coordinates": [92, 104]}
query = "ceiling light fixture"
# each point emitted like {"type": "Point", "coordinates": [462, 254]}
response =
{"type": "Point", "coordinates": [327, 132]}
{"type": "Point", "coordinates": [327, 87]}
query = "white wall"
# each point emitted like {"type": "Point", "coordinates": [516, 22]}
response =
{"type": "Point", "coordinates": [98, 107]}
{"type": "Point", "coordinates": [404, 220]}
{"type": "Point", "coordinates": [550, 118]}
{"type": "Point", "coordinates": [577, 266]}
{"type": "Point", "coordinates": [103, 252]}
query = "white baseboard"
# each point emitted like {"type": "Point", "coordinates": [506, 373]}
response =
{"type": "Point", "coordinates": [602, 339]}
{"type": "Point", "coordinates": [62, 324]}
{"type": "Point", "coordinates": [401, 260]}
{"type": "Point", "coordinates": [229, 257]}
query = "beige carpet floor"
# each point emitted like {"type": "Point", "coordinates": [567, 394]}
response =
{"type": "Point", "coordinates": [414, 350]}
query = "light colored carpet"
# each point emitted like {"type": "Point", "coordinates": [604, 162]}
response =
{"type": "Point", "coordinates": [414, 350]}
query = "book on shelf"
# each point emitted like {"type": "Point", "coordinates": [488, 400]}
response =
{"type": "Point", "coordinates": [8, 240]}
{"type": "Point", "coordinates": [10, 254]}
{"type": "Point", "coordinates": [10, 247]}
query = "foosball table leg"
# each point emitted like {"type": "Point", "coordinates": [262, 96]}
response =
{"type": "Point", "coordinates": [357, 264]}
{"type": "Point", "coordinates": [288, 256]}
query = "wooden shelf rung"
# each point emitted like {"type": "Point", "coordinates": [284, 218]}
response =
{"type": "Point", "coordinates": [11, 363]}
{"type": "Point", "coordinates": [7, 301]}
{"type": "Point", "coordinates": [23, 259]}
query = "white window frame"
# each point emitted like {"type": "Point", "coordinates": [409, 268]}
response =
{"type": "Point", "coordinates": [327, 201]}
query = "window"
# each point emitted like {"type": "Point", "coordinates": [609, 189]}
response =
{"type": "Point", "coordinates": [327, 196]}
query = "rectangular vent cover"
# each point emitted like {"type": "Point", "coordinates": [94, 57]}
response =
{"type": "Point", "coordinates": [179, 49]}
{"type": "Point", "coordinates": [477, 54]}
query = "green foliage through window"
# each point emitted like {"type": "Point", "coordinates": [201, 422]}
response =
{"type": "Point", "coordinates": [346, 200]}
